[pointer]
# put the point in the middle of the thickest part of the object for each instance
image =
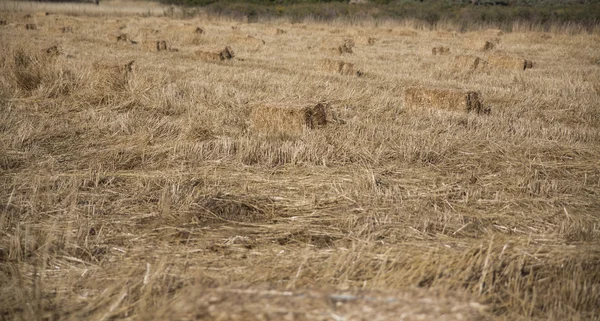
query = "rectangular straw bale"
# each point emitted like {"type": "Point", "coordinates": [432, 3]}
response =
{"type": "Point", "coordinates": [338, 46]}
{"type": "Point", "coordinates": [216, 55]}
{"type": "Point", "coordinates": [285, 120]}
{"type": "Point", "coordinates": [469, 62]}
{"type": "Point", "coordinates": [448, 99]}
{"type": "Point", "coordinates": [338, 66]}
{"type": "Point", "coordinates": [440, 50]}
{"type": "Point", "coordinates": [509, 62]}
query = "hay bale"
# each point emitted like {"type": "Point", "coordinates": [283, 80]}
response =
{"type": "Point", "coordinates": [469, 62]}
{"type": "Point", "coordinates": [447, 99]}
{"type": "Point", "coordinates": [285, 120]}
{"type": "Point", "coordinates": [440, 50]}
{"type": "Point", "coordinates": [366, 41]}
{"type": "Point", "coordinates": [66, 29]}
{"type": "Point", "coordinates": [338, 46]}
{"type": "Point", "coordinates": [51, 51]}
{"type": "Point", "coordinates": [338, 66]}
{"type": "Point", "coordinates": [113, 77]}
{"type": "Point", "coordinates": [30, 26]}
{"type": "Point", "coordinates": [488, 45]}
{"type": "Point", "coordinates": [509, 62]}
{"type": "Point", "coordinates": [216, 55]}
{"type": "Point", "coordinates": [161, 45]}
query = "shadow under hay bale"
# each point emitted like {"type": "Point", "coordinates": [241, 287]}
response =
{"type": "Point", "coordinates": [216, 55]}
{"type": "Point", "coordinates": [469, 62]}
{"type": "Point", "coordinates": [509, 62]}
{"type": "Point", "coordinates": [440, 50]}
{"type": "Point", "coordinates": [30, 26]}
{"type": "Point", "coordinates": [338, 66]}
{"type": "Point", "coordinates": [447, 99]}
{"type": "Point", "coordinates": [287, 121]}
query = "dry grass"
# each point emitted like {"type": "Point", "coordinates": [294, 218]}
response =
{"type": "Point", "coordinates": [171, 188]}
{"type": "Point", "coordinates": [340, 67]}
{"type": "Point", "coordinates": [216, 55]}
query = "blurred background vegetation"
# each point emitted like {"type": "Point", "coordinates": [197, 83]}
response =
{"type": "Point", "coordinates": [463, 13]}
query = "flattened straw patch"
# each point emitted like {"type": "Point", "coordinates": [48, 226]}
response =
{"type": "Point", "coordinates": [440, 50]}
{"type": "Point", "coordinates": [216, 55]}
{"type": "Point", "coordinates": [469, 62]}
{"type": "Point", "coordinates": [286, 120]}
{"type": "Point", "coordinates": [509, 62]}
{"type": "Point", "coordinates": [338, 66]}
{"type": "Point", "coordinates": [447, 99]}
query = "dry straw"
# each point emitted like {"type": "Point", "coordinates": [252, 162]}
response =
{"type": "Point", "coordinates": [366, 41]}
{"type": "Point", "coordinates": [278, 31]}
{"type": "Point", "coordinates": [216, 55]}
{"type": "Point", "coordinates": [287, 120]}
{"type": "Point", "coordinates": [509, 62]}
{"type": "Point", "coordinates": [469, 62]}
{"type": "Point", "coordinates": [448, 99]}
{"type": "Point", "coordinates": [488, 45]}
{"type": "Point", "coordinates": [440, 50]}
{"type": "Point", "coordinates": [66, 29]}
{"type": "Point", "coordinates": [199, 31]}
{"type": "Point", "coordinates": [30, 26]}
{"type": "Point", "coordinates": [3, 23]}
{"type": "Point", "coordinates": [338, 66]}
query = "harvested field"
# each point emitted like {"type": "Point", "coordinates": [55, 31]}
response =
{"type": "Point", "coordinates": [338, 46]}
{"type": "Point", "coordinates": [458, 100]}
{"type": "Point", "coordinates": [137, 185]}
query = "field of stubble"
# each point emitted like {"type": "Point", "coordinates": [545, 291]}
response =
{"type": "Point", "coordinates": [146, 191]}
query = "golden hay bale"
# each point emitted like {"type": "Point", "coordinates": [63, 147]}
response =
{"type": "Point", "coordinates": [278, 31]}
{"type": "Point", "coordinates": [440, 50]}
{"type": "Point", "coordinates": [66, 29]}
{"type": "Point", "coordinates": [338, 66]}
{"type": "Point", "coordinates": [488, 45]}
{"type": "Point", "coordinates": [469, 62]}
{"type": "Point", "coordinates": [509, 62]}
{"type": "Point", "coordinates": [285, 120]}
{"type": "Point", "coordinates": [338, 46]}
{"type": "Point", "coordinates": [216, 55]}
{"type": "Point", "coordinates": [30, 26]}
{"type": "Point", "coordinates": [366, 41]}
{"type": "Point", "coordinates": [113, 77]}
{"type": "Point", "coordinates": [448, 99]}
